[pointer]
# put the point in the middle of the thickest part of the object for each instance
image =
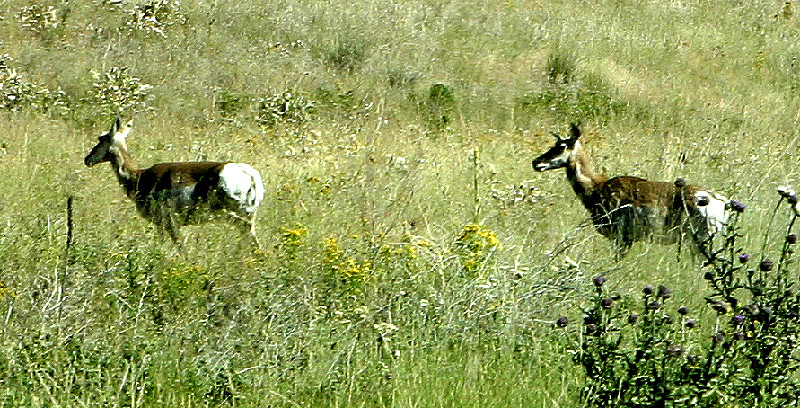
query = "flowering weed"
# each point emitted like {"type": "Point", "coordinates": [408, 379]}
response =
{"type": "Point", "coordinates": [476, 246]}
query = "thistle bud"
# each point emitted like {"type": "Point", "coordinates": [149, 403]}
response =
{"type": "Point", "coordinates": [737, 206]}
{"type": "Point", "coordinates": [743, 258]}
{"type": "Point", "coordinates": [606, 303]}
{"type": "Point", "coordinates": [648, 290]}
{"type": "Point", "coordinates": [664, 292]}
{"type": "Point", "coordinates": [632, 319]}
{"type": "Point", "coordinates": [683, 310]}
{"type": "Point", "coordinates": [680, 182]}
{"type": "Point", "coordinates": [562, 321]}
{"type": "Point", "coordinates": [791, 239]}
{"type": "Point", "coordinates": [765, 265]}
{"type": "Point", "coordinates": [599, 281]}
{"type": "Point", "coordinates": [691, 323]}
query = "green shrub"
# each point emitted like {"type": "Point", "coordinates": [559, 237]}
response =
{"type": "Point", "coordinates": [286, 107]}
{"type": "Point", "coordinates": [437, 107]}
{"type": "Point", "coordinates": [154, 16]}
{"type": "Point", "coordinates": [17, 94]}
{"type": "Point", "coordinates": [229, 104]}
{"type": "Point", "coordinates": [561, 66]}
{"type": "Point", "coordinates": [46, 22]}
{"type": "Point", "coordinates": [114, 92]}
{"type": "Point", "coordinates": [347, 55]}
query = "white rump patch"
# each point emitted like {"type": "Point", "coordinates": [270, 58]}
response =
{"type": "Point", "coordinates": [243, 184]}
{"type": "Point", "coordinates": [714, 212]}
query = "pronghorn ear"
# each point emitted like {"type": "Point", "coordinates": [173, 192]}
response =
{"type": "Point", "coordinates": [574, 131]}
{"type": "Point", "coordinates": [114, 126]}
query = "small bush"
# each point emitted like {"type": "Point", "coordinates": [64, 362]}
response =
{"type": "Point", "coordinates": [476, 247]}
{"type": "Point", "coordinates": [45, 22]}
{"type": "Point", "coordinates": [155, 16]}
{"type": "Point", "coordinates": [438, 106]}
{"type": "Point", "coordinates": [400, 77]}
{"type": "Point", "coordinates": [229, 104]}
{"type": "Point", "coordinates": [346, 55]}
{"type": "Point", "coordinates": [561, 66]}
{"type": "Point", "coordinates": [344, 271]}
{"type": "Point", "coordinates": [283, 107]}
{"type": "Point", "coordinates": [590, 100]}
{"type": "Point", "coordinates": [17, 94]}
{"type": "Point", "coordinates": [114, 92]}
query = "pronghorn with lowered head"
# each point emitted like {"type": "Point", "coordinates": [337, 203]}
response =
{"type": "Point", "coordinates": [172, 195]}
{"type": "Point", "coordinates": [628, 209]}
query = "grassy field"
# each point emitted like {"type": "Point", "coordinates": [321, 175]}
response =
{"type": "Point", "coordinates": [411, 257]}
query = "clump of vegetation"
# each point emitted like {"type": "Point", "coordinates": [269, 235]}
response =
{"type": "Point", "coordinates": [649, 352]}
{"type": "Point", "coordinates": [590, 98]}
{"type": "Point", "coordinates": [344, 271]}
{"type": "Point", "coordinates": [561, 66]}
{"type": "Point", "coordinates": [38, 18]}
{"type": "Point", "coordinates": [569, 94]}
{"type": "Point", "coordinates": [292, 240]}
{"type": "Point", "coordinates": [346, 55]}
{"type": "Point", "coordinates": [439, 105]}
{"type": "Point", "coordinates": [115, 91]}
{"type": "Point", "coordinates": [476, 247]}
{"type": "Point", "coordinates": [17, 94]}
{"type": "Point", "coordinates": [229, 104]}
{"type": "Point", "coordinates": [286, 107]}
{"type": "Point", "coordinates": [155, 16]}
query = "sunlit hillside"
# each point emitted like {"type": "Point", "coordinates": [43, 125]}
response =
{"type": "Point", "coordinates": [410, 256]}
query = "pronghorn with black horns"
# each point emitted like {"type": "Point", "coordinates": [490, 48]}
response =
{"type": "Point", "coordinates": [172, 195]}
{"type": "Point", "coordinates": [628, 209]}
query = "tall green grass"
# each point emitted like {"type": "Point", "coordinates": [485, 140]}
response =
{"type": "Point", "coordinates": [366, 294]}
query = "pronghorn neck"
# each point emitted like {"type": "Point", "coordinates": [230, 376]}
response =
{"type": "Point", "coordinates": [125, 168]}
{"type": "Point", "coordinates": [581, 174]}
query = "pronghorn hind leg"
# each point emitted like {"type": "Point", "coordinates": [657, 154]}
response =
{"type": "Point", "coordinates": [172, 230]}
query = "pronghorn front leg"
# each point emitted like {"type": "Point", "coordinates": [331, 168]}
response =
{"type": "Point", "coordinates": [247, 227]}
{"type": "Point", "coordinates": [162, 215]}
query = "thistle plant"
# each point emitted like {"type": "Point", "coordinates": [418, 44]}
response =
{"type": "Point", "coordinates": [741, 350]}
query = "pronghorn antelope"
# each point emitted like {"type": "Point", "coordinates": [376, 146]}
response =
{"type": "Point", "coordinates": [171, 195]}
{"type": "Point", "coordinates": [627, 209]}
